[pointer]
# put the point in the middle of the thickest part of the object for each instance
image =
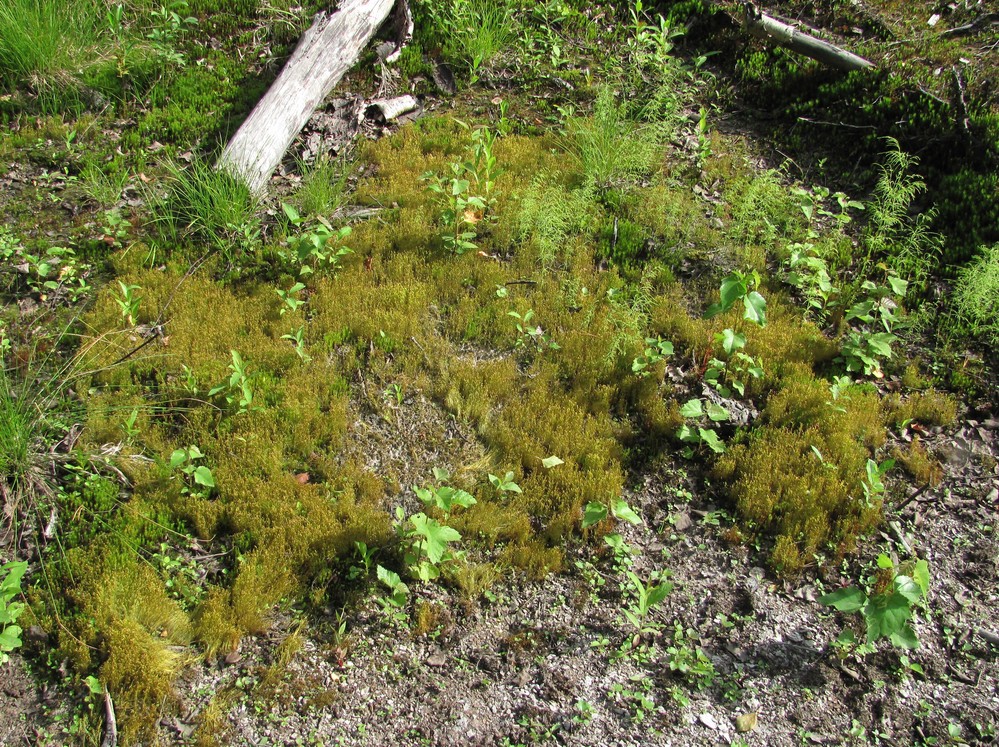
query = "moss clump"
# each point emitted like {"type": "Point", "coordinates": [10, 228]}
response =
{"type": "Point", "coordinates": [215, 624]}
{"type": "Point", "coordinates": [927, 408]}
{"type": "Point", "coordinates": [799, 476]}
{"type": "Point", "coordinates": [138, 673]}
{"type": "Point", "coordinates": [920, 464]}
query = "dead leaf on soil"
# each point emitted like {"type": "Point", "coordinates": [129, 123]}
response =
{"type": "Point", "coordinates": [745, 722]}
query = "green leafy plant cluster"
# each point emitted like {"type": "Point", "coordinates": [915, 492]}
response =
{"type": "Point", "coordinates": [887, 603]}
{"type": "Point", "coordinates": [866, 344]}
{"type": "Point", "coordinates": [468, 195]}
{"type": "Point", "coordinates": [741, 286]}
{"type": "Point", "coordinates": [316, 245]}
{"type": "Point", "coordinates": [425, 540]}
{"type": "Point", "coordinates": [10, 588]}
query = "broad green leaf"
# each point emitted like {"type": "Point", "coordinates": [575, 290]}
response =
{"type": "Point", "coordinates": [293, 215]}
{"type": "Point", "coordinates": [717, 413]}
{"type": "Point", "coordinates": [921, 575]}
{"type": "Point", "coordinates": [552, 461]}
{"type": "Point", "coordinates": [436, 535]}
{"type": "Point", "coordinates": [884, 562]}
{"type": "Point", "coordinates": [692, 409]}
{"type": "Point", "coordinates": [908, 588]}
{"type": "Point", "coordinates": [94, 685]}
{"type": "Point", "coordinates": [850, 599]}
{"type": "Point", "coordinates": [459, 186]}
{"type": "Point", "coordinates": [898, 286]}
{"type": "Point", "coordinates": [203, 476]}
{"type": "Point", "coordinates": [623, 511]}
{"type": "Point", "coordinates": [885, 615]}
{"type": "Point", "coordinates": [688, 435]}
{"type": "Point", "coordinates": [756, 308]}
{"type": "Point", "coordinates": [732, 289]}
{"type": "Point", "coordinates": [712, 440]}
{"type": "Point", "coordinates": [10, 638]}
{"type": "Point", "coordinates": [906, 638]}
{"type": "Point", "coordinates": [389, 578]}
{"type": "Point", "coordinates": [732, 340]}
{"type": "Point", "coordinates": [594, 513]}
{"type": "Point", "coordinates": [178, 457]}
{"type": "Point", "coordinates": [658, 593]}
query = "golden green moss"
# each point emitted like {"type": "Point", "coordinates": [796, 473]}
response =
{"type": "Point", "coordinates": [139, 673]}
{"type": "Point", "coordinates": [926, 408]}
{"type": "Point", "coordinates": [799, 476]}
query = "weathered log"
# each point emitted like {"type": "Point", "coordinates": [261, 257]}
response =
{"type": "Point", "coordinates": [323, 55]}
{"type": "Point", "coordinates": [763, 26]}
{"type": "Point", "coordinates": [386, 110]}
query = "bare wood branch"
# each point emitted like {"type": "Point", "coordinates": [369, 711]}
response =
{"type": "Point", "coordinates": [110, 723]}
{"type": "Point", "coordinates": [766, 27]}
{"type": "Point", "coordinates": [324, 54]}
{"type": "Point", "coordinates": [989, 19]}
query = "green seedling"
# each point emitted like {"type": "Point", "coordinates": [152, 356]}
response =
{"type": "Point", "coordinates": [873, 483]}
{"type": "Point", "coordinates": [128, 427]}
{"type": "Point", "coordinates": [741, 286]}
{"type": "Point", "coordinates": [531, 336]}
{"type": "Point", "coordinates": [644, 599]}
{"type": "Point", "coordinates": [184, 460]}
{"type": "Point", "coordinates": [732, 375]}
{"type": "Point", "coordinates": [398, 591]}
{"type": "Point", "coordinates": [128, 303]}
{"type": "Point", "coordinates": [297, 338]}
{"type": "Point", "coordinates": [425, 542]}
{"type": "Point", "coordinates": [289, 298]}
{"type": "Point", "coordinates": [10, 587]}
{"type": "Point", "coordinates": [887, 604]}
{"type": "Point", "coordinates": [863, 349]}
{"type": "Point", "coordinates": [689, 660]}
{"type": "Point", "coordinates": [505, 484]}
{"type": "Point", "coordinates": [656, 350]}
{"type": "Point", "coordinates": [696, 410]}
{"type": "Point", "coordinates": [366, 555]}
{"type": "Point", "coordinates": [461, 209]}
{"type": "Point", "coordinates": [596, 512]}
{"type": "Point", "coordinates": [237, 390]}
{"type": "Point", "coordinates": [317, 246]}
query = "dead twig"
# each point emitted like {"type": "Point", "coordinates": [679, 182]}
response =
{"type": "Point", "coordinates": [110, 723]}
{"type": "Point", "coordinates": [962, 105]}
{"type": "Point", "coordinates": [989, 19]}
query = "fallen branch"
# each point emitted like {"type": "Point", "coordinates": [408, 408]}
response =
{"type": "Point", "coordinates": [765, 27]}
{"type": "Point", "coordinates": [325, 53]}
{"type": "Point", "coordinates": [989, 19]}
{"type": "Point", "coordinates": [110, 723]}
{"type": "Point", "coordinates": [386, 110]}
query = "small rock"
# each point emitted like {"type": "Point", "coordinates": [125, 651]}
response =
{"type": "Point", "coordinates": [233, 657]}
{"type": "Point", "coordinates": [436, 660]}
{"type": "Point", "coordinates": [682, 522]}
{"type": "Point", "coordinates": [708, 720]}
